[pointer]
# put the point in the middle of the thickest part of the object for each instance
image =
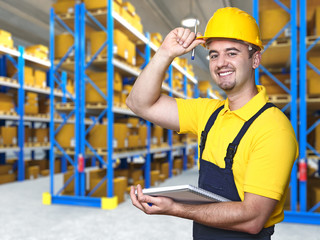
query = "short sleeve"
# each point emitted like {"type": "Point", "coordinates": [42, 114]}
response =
{"type": "Point", "coordinates": [188, 115]}
{"type": "Point", "coordinates": [270, 163]}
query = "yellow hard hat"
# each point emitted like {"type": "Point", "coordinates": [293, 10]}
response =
{"type": "Point", "coordinates": [233, 23]}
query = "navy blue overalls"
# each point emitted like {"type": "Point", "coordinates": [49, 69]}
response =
{"type": "Point", "coordinates": [221, 181]}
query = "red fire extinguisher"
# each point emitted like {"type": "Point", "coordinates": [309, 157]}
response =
{"type": "Point", "coordinates": [80, 163]}
{"type": "Point", "coordinates": [302, 170]}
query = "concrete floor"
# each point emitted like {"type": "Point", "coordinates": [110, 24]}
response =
{"type": "Point", "coordinates": [22, 216]}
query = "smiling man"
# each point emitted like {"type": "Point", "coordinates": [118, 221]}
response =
{"type": "Point", "coordinates": [247, 146]}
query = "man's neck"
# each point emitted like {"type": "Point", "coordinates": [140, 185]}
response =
{"type": "Point", "coordinates": [239, 99]}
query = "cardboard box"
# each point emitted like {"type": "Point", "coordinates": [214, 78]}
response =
{"type": "Point", "coordinates": [100, 80]}
{"type": "Point", "coordinates": [41, 135]}
{"type": "Point", "coordinates": [120, 39]}
{"type": "Point", "coordinates": [317, 138]}
{"type": "Point", "coordinates": [29, 76]}
{"type": "Point", "coordinates": [9, 135]}
{"type": "Point", "coordinates": [136, 23]}
{"type": "Point", "coordinates": [143, 132]}
{"type": "Point", "coordinates": [97, 4]}
{"type": "Point", "coordinates": [272, 87]}
{"type": "Point", "coordinates": [27, 134]}
{"type": "Point", "coordinates": [39, 51]}
{"type": "Point", "coordinates": [315, 22]}
{"type": "Point", "coordinates": [62, 44]}
{"type": "Point", "coordinates": [272, 21]}
{"type": "Point", "coordinates": [97, 137]}
{"type": "Point", "coordinates": [65, 137]}
{"type": "Point", "coordinates": [133, 141]}
{"type": "Point", "coordinates": [6, 102]}
{"type": "Point", "coordinates": [132, 122]}
{"type": "Point", "coordinates": [119, 185]}
{"type": "Point", "coordinates": [40, 78]}
{"type": "Point", "coordinates": [130, 53]}
{"type": "Point", "coordinates": [154, 177]}
{"type": "Point", "coordinates": [64, 6]}
{"type": "Point", "coordinates": [5, 168]}
{"type": "Point", "coordinates": [7, 178]}
{"type": "Point", "coordinates": [6, 39]}
{"type": "Point", "coordinates": [157, 135]}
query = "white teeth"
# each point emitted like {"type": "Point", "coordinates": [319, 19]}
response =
{"type": "Point", "coordinates": [224, 74]}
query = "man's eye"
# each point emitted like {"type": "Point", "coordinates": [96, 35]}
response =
{"type": "Point", "coordinates": [231, 54]}
{"type": "Point", "coordinates": [213, 56]}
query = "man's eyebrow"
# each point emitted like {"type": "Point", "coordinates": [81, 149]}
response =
{"type": "Point", "coordinates": [212, 51]}
{"type": "Point", "coordinates": [227, 50]}
{"type": "Point", "coordinates": [233, 49]}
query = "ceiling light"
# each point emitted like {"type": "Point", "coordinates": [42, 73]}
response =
{"type": "Point", "coordinates": [190, 20]}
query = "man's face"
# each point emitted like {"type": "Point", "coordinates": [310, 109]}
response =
{"type": "Point", "coordinates": [230, 65]}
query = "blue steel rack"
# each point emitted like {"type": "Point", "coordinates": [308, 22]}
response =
{"type": "Point", "coordinates": [19, 64]}
{"type": "Point", "coordinates": [80, 197]}
{"type": "Point", "coordinates": [298, 193]}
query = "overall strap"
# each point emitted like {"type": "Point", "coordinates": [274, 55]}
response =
{"type": "Point", "coordinates": [232, 148]}
{"type": "Point", "coordinates": [207, 128]}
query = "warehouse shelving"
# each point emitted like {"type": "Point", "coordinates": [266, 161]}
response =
{"type": "Point", "coordinates": [287, 57]}
{"type": "Point", "coordinates": [77, 24]}
{"type": "Point", "coordinates": [19, 59]}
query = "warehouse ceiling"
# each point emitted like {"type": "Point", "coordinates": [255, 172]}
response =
{"type": "Point", "coordinates": [28, 20]}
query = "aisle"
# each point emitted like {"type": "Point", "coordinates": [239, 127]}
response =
{"type": "Point", "coordinates": [24, 217]}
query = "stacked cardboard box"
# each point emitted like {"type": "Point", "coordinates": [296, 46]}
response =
{"type": "Point", "coordinates": [6, 39]}
{"type": "Point", "coordinates": [272, 87]}
{"type": "Point", "coordinates": [39, 51]}
{"type": "Point", "coordinates": [9, 135]}
{"type": "Point", "coordinates": [156, 38]}
{"type": "Point", "coordinates": [123, 47]}
{"type": "Point", "coordinates": [6, 102]}
{"type": "Point", "coordinates": [41, 135]}
{"type": "Point", "coordinates": [97, 137]}
{"type": "Point", "coordinates": [313, 79]}
{"type": "Point", "coordinates": [120, 184]}
{"type": "Point", "coordinates": [62, 44]}
{"type": "Point", "coordinates": [31, 105]}
{"type": "Point", "coordinates": [204, 86]}
{"type": "Point", "coordinates": [314, 24]}
{"type": "Point", "coordinates": [65, 137]}
{"type": "Point", "coordinates": [64, 6]}
{"type": "Point", "coordinates": [272, 21]}
{"type": "Point", "coordinates": [157, 135]}
{"type": "Point", "coordinates": [100, 80]}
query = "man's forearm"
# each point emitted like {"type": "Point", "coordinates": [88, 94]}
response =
{"type": "Point", "coordinates": [248, 216]}
{"type": "Point", "coordinates": [147, 88]}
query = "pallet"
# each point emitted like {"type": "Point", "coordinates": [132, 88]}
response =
{"type": "Point", "coordinates": [9, 80]}
{"type": "Point", "coordinates": [37, 86]}
{"type": "Point", "coordinates": [38, 115]}
{"type": "Point", "coordinates": [98, 105]}
{"type": "Point", "coordinates": [8, 113]}
{"type": "Point", "coordinates": [8, 145]}
{"type": "Point", "coordinates": [6, 46]}
{"type": "Point", "coordinates": [280, 98]}
{"type": "Point", "coordinates": [41, 58]}
{"type": "Point", "coordinates": [68, 106]}
{"type": "Point", "coordinates": [278, 41]}
{"type": "Point", "coordinates": [311, 39]}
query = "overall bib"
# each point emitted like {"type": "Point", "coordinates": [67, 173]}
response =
{"type": "Point", "coordinates": [221, 181]}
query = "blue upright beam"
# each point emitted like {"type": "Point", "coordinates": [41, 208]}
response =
{"type": "Point", "coordinates": [110, 26]}
{"type": "Point", "coordinates": [303, 104]}
{"type": "Point", "coordinates": [170, 156]}
{"type": "Point", "coordinates": [21, 115]}
{"type": "Point", "coordinates": [147, 171]}
{"type": "Point", "coordinates": [293, 92]}
{"type": "Point", "coordinates": [51, 81]}
{"type": "Point", "coordinates": [77, 69]}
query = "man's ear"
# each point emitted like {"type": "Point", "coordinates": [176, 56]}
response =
{"type": "Point", "coordinates": [256, 59]}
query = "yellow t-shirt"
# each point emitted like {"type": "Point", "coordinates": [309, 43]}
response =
{"type": "Point", "coordinates": [266, 153]}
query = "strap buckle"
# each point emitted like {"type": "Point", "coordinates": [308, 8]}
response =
{"type": "Point", "coordinates": [203, 139]}
{"type": "Point", "coordinates": [231, 151]}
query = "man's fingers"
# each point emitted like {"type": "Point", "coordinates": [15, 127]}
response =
{"type": "Point", "coordinates": [134, 199]}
